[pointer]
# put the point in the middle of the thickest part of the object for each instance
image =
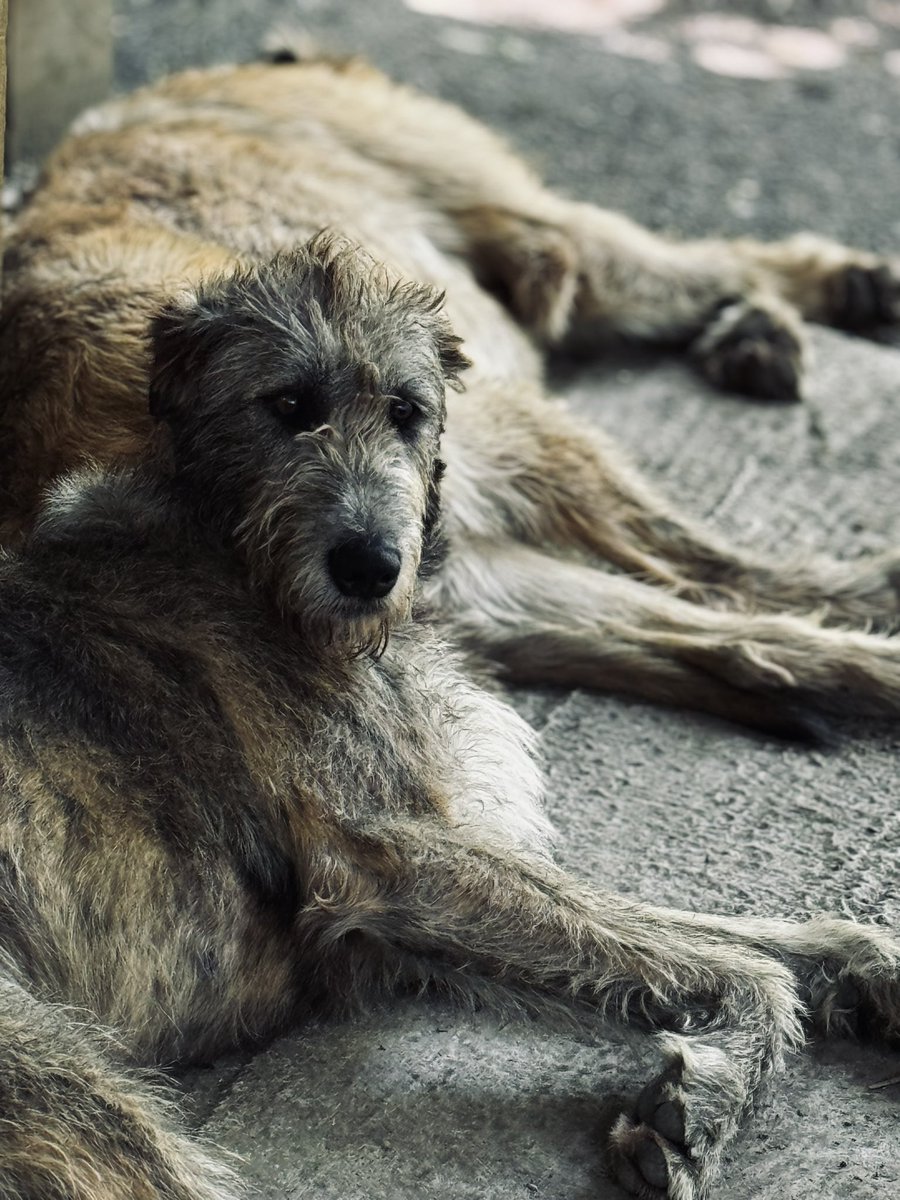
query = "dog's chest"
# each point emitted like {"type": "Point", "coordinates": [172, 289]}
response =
{"type": "Point", "coordinates": [473, 755]}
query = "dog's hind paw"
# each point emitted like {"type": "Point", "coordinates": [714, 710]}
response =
{"type": "Point", "coordinates": [864, 296]}
{"type": "Point", "coordinates": [753, 348]}
{"type": "Point", "coordinates": [846, 1005]}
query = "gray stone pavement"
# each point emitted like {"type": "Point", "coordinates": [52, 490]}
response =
{"type": "Point", "coordinates": [420, 1101]}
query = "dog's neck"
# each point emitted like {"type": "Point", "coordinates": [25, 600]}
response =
{"type": "Point", "coordinates": [145, 510]}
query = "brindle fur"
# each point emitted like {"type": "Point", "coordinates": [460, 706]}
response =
{"type": "Point", "coordinates": [213, 169]}
{"type": "Point", "coordinates": [232, 794]}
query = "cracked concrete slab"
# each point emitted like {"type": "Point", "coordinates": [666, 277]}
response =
{"type": "Point", "coordinates": [422, 1102]}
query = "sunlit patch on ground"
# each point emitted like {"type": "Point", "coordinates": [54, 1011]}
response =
{"type": "Point", "coordinates": [740, 46]}
{"type": "Point", "coordinates": [582, 16]}
{"type": "Point", "coordinates": [721, 42]}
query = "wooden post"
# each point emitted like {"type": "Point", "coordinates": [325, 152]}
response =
{"type": "Point", "coordinates": [3, 11]}
{"type": "Point", "coordinates": [60, 61]}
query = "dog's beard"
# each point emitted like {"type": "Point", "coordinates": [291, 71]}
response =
{"type": "Point", "coordinates": [285, 558]}
{"type": "Point", "coordinates": [307, 599]}
{"type": "Point", "coordinates": [350, 638]}
{"type": "Point", "coordinates": [339, 626]}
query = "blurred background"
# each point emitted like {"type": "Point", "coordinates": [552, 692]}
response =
{"type": "Point", "coordinates": [699, 116]}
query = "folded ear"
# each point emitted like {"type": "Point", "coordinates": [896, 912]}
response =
{"type": "Point", "coordinates": [181, 336]}
{"type": "Point", "coordinates": [453, 361]}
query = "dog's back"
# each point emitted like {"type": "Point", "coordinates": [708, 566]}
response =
{"type": "Point", "coordinates": [158, 190]}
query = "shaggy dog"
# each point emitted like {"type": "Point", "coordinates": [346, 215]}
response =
{"type": "Point", "coordinates": [244, 778]}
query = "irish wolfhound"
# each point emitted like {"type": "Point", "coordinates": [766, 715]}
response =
{"type": "Point", "coordinates": [214, 169]}
{"type": "Point", "coordinates": [243, 778]}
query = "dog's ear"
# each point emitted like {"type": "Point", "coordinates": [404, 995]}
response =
{"type": "Point", "coordinates": [180, 339]}
{"type": "Point", "coordinates": [453, 361]}
{"type": "Point", "coordinates": [450, 356]}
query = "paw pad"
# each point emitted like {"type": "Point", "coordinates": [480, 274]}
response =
{"type": "Point", "coordinates": [658, 1108]}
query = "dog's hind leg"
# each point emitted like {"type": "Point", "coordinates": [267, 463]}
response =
{"type": "Point", "coordinates": [73, 1126]}
{"type": "Point", "coordinates": [738, 306]}
{"type": "Point", "coordinates": [524, 467]}
{"type": "Point", "coordinates": [546, 620]}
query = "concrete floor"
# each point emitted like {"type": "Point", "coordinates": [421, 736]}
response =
{"type": "Point", "coordinates": [420, 1102]}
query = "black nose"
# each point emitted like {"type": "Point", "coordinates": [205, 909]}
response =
{"type": "Point", "coordinates": [364, 567]}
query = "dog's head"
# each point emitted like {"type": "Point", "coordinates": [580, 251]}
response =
{"type": "Point", "coordinates": [305, 402]}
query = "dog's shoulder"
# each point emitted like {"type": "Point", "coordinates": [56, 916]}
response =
{"type": "Point", "coordinates": [102, 512]}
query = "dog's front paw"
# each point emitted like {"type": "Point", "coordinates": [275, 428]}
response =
{"type": "Point", "coordinates": [645, 1162]}
{"type": "Point", "coordinates": [753, 348]}
{"type": "Point", "coordinates": [859, 996]}
{"type": "Point", "coordinates": [670, 1145]}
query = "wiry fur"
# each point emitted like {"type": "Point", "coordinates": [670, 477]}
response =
{"type": "Point", "coordinates": [231, 794]}
{"type": "Point", "coordinates": [218, 813]}
{"type": "Point", "coordinates": [291, 328]}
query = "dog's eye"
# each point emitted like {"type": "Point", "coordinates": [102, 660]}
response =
{"type": "Point", "coordinates": [286, 406]}
{"type": "Point", "coordinates": [297, 413]}
{"type": "Point", "coordinates": [297, 410]}
{"type": "Point", "coordinates": [402, 410]}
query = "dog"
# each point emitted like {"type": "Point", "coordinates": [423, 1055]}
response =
{"type": "Point", "coordinates": [246, 776]}
{"type": "Point", "coordinates": [564, 566]}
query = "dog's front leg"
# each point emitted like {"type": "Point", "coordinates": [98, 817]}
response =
{"type": "Point", "coordinates": [523, 934]}
{"type": "Point", "coordinates": [849, 973]}
{"type": "Point", "coordinates": [583, 273]}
